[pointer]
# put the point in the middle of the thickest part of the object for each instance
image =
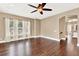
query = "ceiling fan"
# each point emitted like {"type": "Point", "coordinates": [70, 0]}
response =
{"type": "Point", "coordinates": [40, 8]}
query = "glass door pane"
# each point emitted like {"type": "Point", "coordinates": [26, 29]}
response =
{"type": "Point", "coordinates": [11, 28]}
{"type": "Point", "coordinates": [20, 29]}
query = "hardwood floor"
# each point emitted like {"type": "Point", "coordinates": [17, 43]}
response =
{"type": "Point", "coordinates": [39, 47]}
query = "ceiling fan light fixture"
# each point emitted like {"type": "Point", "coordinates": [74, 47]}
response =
{"type": "Point", "coordinates": [39, 10]}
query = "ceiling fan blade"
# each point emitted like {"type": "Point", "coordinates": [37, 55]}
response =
{"type": "Point", "coordinates": [33, 11]}
{"type": "Point", "coordinates": [41, 13]}
{"type": "Point", "coordinates": [32, 6]}
{"type": "Point", "coordinates": [47, 9]}
{"type": "Point", "coordinates": [43, 4]}
{"type": "Point", "coordinates": [39, 5]}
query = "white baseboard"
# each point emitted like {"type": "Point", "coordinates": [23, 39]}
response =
{"type": "Point", "coordinates": [34, 37]}
{"type": "Point", "coordinates": [4, 41]}
{"type": "Point", "coordinates": [63, 38]}
{"type": "Point", "coordinates": [45, 37]}
{"type": "Point", "coordinates": [50, 38]}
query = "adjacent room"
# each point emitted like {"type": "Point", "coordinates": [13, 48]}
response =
{"type": "Point", "coordinates": [39, 29]}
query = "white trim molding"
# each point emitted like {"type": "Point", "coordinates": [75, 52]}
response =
{"type": "Point", "coordinates": [34, 37]}
{"type": "Point", "coordinates": [4, 41]}
{"type": "Point", "coordinates": [50, 38]}
{"type": "Point", "coordinates": [45, 37]}
{"type": "Point", "coordinates": [63, 38]}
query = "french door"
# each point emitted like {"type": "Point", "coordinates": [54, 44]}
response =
{"type": "Point", "coordinates": [16, 29]}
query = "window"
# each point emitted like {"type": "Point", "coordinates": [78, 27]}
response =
{"type": "Point", "coordinates": [16, 29]}
{"type": "Point", "coordinates": [20, 27]}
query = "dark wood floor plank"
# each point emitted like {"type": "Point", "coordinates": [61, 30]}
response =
{"type": "Point", "coordinates": [39, 47]}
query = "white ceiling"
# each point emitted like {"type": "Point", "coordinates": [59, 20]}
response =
{"type": "Point", "coordinates": [22, 9]}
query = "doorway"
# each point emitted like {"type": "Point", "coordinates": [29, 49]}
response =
{"type": "Point", "coordinates": [62, 31]}
{"type": "Point", "coordinates": [68, 27]}
{"type": "Point", "coordinates": [72, 29]}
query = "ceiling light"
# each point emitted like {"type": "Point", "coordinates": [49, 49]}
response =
{"type": "Point", "coordinates": [40, 10]}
